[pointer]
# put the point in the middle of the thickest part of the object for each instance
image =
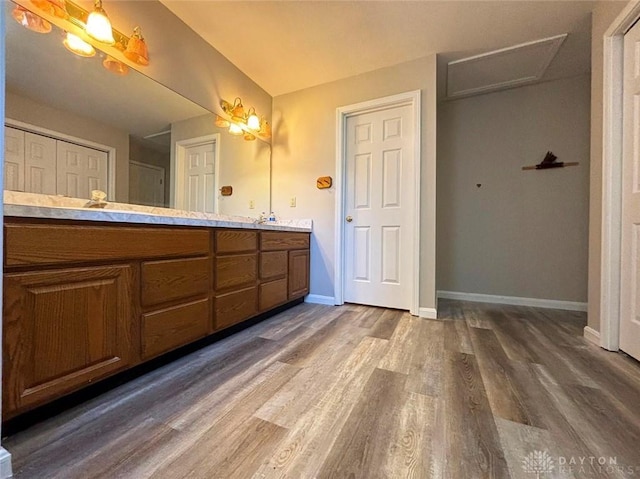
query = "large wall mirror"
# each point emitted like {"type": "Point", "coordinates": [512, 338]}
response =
{"type": "Point", "coordinates": [150, 145]}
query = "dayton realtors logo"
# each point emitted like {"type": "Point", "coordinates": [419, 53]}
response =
{"type": "Point", "coordinates": [538, 462]}
{"type": "Point", "coordinates": [541, 463]}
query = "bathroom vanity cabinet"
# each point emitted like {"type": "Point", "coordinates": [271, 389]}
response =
{"type": "Point", "coordinates": [85, 300]}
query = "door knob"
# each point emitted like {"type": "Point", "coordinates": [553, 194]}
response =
{"type": "Point", "coordinates": [349, 219]}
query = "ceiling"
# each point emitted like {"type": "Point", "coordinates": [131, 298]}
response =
{"type": "Point", "coordinates": [286, 46]}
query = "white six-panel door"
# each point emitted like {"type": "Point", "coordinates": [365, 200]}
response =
{"type": "Point", "coordinates": [13, 159]}
{"type": "Point", "coordinates": [379, 192]}
{"type": "Point", "coordinates": [80, 170]}
{"type": "Point", "coordinates": [630, 264]}
{"type": "Point", "coordinates": [199, 176]}
{"type": "Point", "coordinates": [40, 164]}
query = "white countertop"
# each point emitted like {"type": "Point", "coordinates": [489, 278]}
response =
{"type": "Point", "coordinates": [54, 207]}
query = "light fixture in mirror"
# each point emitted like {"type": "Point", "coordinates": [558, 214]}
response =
{"type": "Point", "coordinates": [78, 46]}
{"type": "Point", "coordinates": [235, 129]}
{"type": "Point", "coordinates": [99, 26]}
{"type": "Point", "coordinates": [53, 7]}
{"type": "Point", "coordinates": [115, 66]}
{"type": "Point", "coordinates": [137, 121]}
{"type": "Point", "coordinates": [30, 20]}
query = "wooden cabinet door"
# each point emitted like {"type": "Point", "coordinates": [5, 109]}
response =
{"type": "Point", "coordinates": [62, 330]}
{"type": "Point", "coordinates": [298, 273]}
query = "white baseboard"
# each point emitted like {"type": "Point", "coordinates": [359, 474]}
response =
{"type": "Point", "coordinates": [5, 464]}
{"type": "Point", "coordinates": [319, 299]}
{"type": "Point", "coordinates": [514, 300]}
{"type": "Point", "coordinates": [592, 335]}
{"type": "Point", "coordinates": [429, 313]}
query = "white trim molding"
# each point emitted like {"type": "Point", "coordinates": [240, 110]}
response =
{"type": "Point", "coordinates": [319, 299]}
{"type": "Point", "coordinates": [412, 98]}
{"type": "Point", "coordinates": [428, 313]}
{"type": "Point", "coordinates": [592, 335]}
{"type": "Point", "coordinates": [514, 300]}
{"type": "Point", "coordinates": [612, 177]}
{"type": "Point", "coordinates": [5, 464]}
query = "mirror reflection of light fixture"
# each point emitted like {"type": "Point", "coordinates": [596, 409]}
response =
{"type": "Point", "coordinates": [98, 25]}
{"type": "Point", "coordinates": [136, 50]}
{"type": "Point", "coordinates": [30, 20]}
{"type": "Point", "coordinates": [53, 7]}
{"type": "Point", "coordinates": [235, 129]}
{"type": "Point", "coordinates": [221, 122]}
{"type": "Point", "coordinates": [243, 122]}
{"type": "Point", "coordinates": [77, 45]}
{"type": "Point", "coordinates": [114, 66]}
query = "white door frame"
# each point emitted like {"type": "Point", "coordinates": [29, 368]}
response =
{"type": "Point", "coordinates": [177, 167]}
{"type": "Point", "coordinates": [109, 150]}
{"type": "Point", "coordinates": [612, 177]}
{"type": "Point", "coordinates": [412, 99]}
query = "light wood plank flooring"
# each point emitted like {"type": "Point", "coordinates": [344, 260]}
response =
{"type": "Point", "coordinates": [358, 392]}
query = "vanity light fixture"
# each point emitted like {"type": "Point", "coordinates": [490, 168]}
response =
{"type": "Point", "coordinates": [98, 25]}
{"type": "Point", "coordinates": [77, 45]}
{"type": "Point", "coordinates": [78, 22]}
{"type": "Point", "coordinates": [115, 66]}
{"type": "Point", "coordinates": [30, 20]}
{"type": "Point", "coordinates": [136, 50]}
{"type": "Point", "coordinates": [53, 7]}
{"type": "Point", "coordinates": [241, 122]}
{"type": "Point", "coordinates": [253, 122]}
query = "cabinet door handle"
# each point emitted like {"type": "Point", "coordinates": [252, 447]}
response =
{"type": "Point", "coordinates": [349, 219]}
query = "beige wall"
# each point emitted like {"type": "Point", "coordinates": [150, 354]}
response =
{"type": "Point", "coordinates": [304, 148]}
{"type": "Point", "coordinates": [244, 165]}
{"type": "Point", "coordinates": [522, 233]}
{"type": "Point", "coordinates": [602, 16]}
{"type": "Point", "coordinates": [183, 61]}
{"type": "Point", "coordinates": [28, 111]}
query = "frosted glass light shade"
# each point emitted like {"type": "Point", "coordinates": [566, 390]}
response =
{"type": "Point", "coordinates": [78, 46]}
{"type": "Point", "coordinates": [114, 66]}
{"type": "Point", "coordinates": [253, 122]}
{"type": "Point", "coordinates": [30, 20]}
{"type": "Point", "coordinates": [98, 25]}
{"type": "Point", "coordinates": [235, 129]}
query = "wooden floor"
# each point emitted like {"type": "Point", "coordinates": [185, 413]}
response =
{"type": "Point", "coordinates": [358, 392]}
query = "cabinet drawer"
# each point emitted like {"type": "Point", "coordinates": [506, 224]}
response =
{"type": "Point", "coordinates": [236, 241]}
{"type": "Point", "coordinates": [169, 280]}
{"type": "Point", "coordinates": [174, 327]}
{"type": "Point", "coordinates": [273, 264]}
{"type": "Point", "coordinates": [273, 294]}
{"type": "Point", "coordinates": [54, 244]}
{"type": "Point", "coordinates": [236, 271]}
{"type": "Point", "coordinates": [235, 307]}
{"type": "Point", "coordinates": [272, 241]}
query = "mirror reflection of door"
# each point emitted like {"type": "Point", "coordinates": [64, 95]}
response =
{"type": "Point", "coordinates": [199, 189]}
{"type": "Point", "coordinates": [196, 174]}
{"type": "Point", "coordinates": [146, 184]}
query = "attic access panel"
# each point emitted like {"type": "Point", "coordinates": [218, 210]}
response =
{"type": "Point", "coordinates": [499, 69]}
